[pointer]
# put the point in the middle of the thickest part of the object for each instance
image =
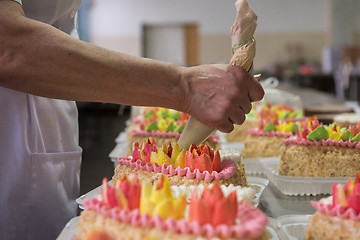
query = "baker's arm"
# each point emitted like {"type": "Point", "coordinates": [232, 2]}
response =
{"type": "Point", "coordinates": [39, 59]}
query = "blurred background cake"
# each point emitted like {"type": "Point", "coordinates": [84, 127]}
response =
{"type": "Point", "coordinates": [275, 122]}
{"type": "Point", "coordinates": [161, 124]}
{"type": "Point", "coordinates": [320, 150]}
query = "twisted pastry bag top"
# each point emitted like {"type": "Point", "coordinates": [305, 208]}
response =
{"type": "Point", "coordinates": [39, 149]}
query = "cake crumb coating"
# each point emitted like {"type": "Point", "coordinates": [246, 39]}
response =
{"type": "Point", "coordinates": [239, 179]}
{"type": "Point", "coordinates": [93, 224]}
{"type": "Point", "coordinates": [262, 146]}
{"type": "Point", "coordinates": [319, 161]}
{"type": "Point", "coordinates": [322, 226]}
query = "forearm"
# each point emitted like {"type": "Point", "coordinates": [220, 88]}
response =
{"type": "Point", "coordinates": [41, 60]}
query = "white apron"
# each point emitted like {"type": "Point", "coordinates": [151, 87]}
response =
{"type": "Point", "coordinates": [39, 149]}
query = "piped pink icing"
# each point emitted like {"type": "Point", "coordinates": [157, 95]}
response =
{"type": "Point", "coordinates": [258, 132]}
{"type": "Point", "coordinates": [337, 210]}
{"type": "Point", "coordinates": [328, 142]}
{"type": "Point", "coordinates": [250, 221]}
{"type": "Point", "coordinates": [138, 119]}
{"type": "Point", "coordinates": [228, 169]}
{"type": "Point", "coordinates": [154, 133]}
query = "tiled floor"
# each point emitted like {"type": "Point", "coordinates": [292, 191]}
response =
{"type": "Point", "coordinates": [99, 125]}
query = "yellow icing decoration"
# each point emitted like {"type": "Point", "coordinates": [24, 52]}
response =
{"type": "Point", "coordinates": [158, 200]}
{"type": "Point", "coordinates": [175, 152]}
{"type": "Point", "coordinates": [160, 158]}
{"type": "Point", "coordinates": [180, 160]}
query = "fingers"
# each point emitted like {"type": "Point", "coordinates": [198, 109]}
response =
{"type": "Point", "coordinates": [253, 86]}
{"type": "Point", "coordinates": [238, 118]}
{"type": "Point", "coordinates": [226, 126]}
{"type": "Point", "coordinates": [221, 95]}
{"type": "Point", "coordinates": [255, 90]}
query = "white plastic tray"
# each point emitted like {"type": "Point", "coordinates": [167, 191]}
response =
{"type": "Point", "coordinates": [256, 183]}
{"type": "Point", "coordinates": [292, 227]}
{"type": "Point", "coordinates": [121, 138]}
{"type": "Point", "coordinates": [298, 185]}
{"type": "Point", "coordinates": [93, 193]}
{"type": "Point", "coordinates": [119, 150]}
{"type": "Point", "coordinates": [253, 165]}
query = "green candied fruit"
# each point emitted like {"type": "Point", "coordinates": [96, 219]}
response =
{"type": "Point", "coordinates": [171, 127]}
{"type": "Point", "coordinates": [284, 115]}
{"type": "Point", "coordinates": [296, 114]}
{"type": "Point", "coordinates": [356, 138]}
{"type": "Point", "coordinates": [293, 128]}
{"type": "Point", "coordinates": [269, 127]}
{"type": "Point", "coordinates": [319, 133]}
{"type": "Point", "coordinates": [149, 113]}
{"type": "Point", "coordinates": [152, 126]}
{"type": "Point", "coordinates": [165, 114]}
{"type": "Point", "coordinates": [175, 116]}
{"type": "Point", "coordinates": [180, 128]}
{"type": "Point", "coordinates": [346, 135]}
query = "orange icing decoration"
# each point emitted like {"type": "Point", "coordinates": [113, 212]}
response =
{"type": "Point", "coordinates": [213, 207]}
{"type": "Point", "coordinates": [202, 158]}
{"type": "Point", "coordinates": [197, 157]}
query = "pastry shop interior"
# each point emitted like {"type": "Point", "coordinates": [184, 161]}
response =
{"type": "Point", "coordinates": [290, 171]}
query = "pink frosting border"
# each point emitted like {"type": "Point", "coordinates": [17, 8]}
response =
{"type": "Point", "coordinates": [251, 222]}
{"type": "Point", "coordinates": [143, 133]}
{"type": "Point", "coordinates": [258, 132]}
{"type": "Point", "coordinates": [228, 169]}
{"type": "Point", "coordinates": [328, 142]}
{"type": "Point", "coordinates": [338, 211]}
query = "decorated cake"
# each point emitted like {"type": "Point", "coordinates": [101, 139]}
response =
{"type": "Point", "coordinates": [320, 150]}
{"type": "Point", "coordinates": [193, 166]}
{"type": "Point", "coordinates": [162, 124]}
{"type": "Point", "coordinates": [338, 216]}
{"type": "Point", "coordinates": [275, 122]}
{"type": "Point", "coordinates": [133, 210]}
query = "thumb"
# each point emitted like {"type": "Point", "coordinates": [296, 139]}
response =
{"type": "Point", "coordinates": [255, 90]}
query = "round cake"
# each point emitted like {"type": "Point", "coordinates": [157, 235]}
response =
{"type": "Point", "coordinates": [133, 210]}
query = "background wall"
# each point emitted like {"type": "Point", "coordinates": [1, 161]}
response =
{"type": "Point", "coordinates": [286, 28]}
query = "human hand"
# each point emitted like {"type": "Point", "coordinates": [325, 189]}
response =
{"type": "Point", "coordinates": [219, 95]}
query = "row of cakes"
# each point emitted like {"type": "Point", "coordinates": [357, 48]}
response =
{"type": "Point", "coordinates": [108, 216]}
{"type": "Point", "coordinates": [140, 208]}
{"type": "Point", "coordinates": [305, 146]}
{"type": "Point", "coordinates": [162, 192]}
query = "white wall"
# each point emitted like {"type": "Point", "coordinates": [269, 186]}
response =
{"type": "Point", "coordinates": [114, 17]}
{"type": "Point", "coordinates": [116, 24]}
